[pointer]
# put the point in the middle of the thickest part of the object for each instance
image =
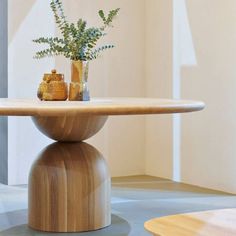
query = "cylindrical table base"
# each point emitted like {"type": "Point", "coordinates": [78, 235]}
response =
{"type": "Point", "coordinates": [69, 189]}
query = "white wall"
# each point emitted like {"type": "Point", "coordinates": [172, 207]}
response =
{"type": "Point", "coordinates": [202, 56]}
{"type": "Point", "coordinates": [209, 138]}
{"type": "Point", "coordinates": [162, 51]}
{"type": "Point", "coordinates": [119, 72]}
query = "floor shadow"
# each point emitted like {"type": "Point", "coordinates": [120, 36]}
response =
{"type": "Point", "coordinates": [119, 227]}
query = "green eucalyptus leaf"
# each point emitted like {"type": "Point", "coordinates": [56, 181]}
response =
{"type": "Point", "coordinates": [77, 41]}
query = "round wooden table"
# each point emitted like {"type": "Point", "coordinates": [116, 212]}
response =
{"type": "Point", "coordinates": [208, 223]}
{"type": "Point", "coordinates": [69, 183]}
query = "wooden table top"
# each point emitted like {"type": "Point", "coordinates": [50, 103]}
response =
{"type": "Point", "coordinates": [97, 106]}
{"type": "Point", "coordinates": [209, 223]}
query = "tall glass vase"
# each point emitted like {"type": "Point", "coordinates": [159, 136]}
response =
{"type": "Point", "coordinates": [79, 90]}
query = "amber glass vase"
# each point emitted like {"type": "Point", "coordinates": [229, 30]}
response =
{"type": "Point", "coordinates": [79, 90]}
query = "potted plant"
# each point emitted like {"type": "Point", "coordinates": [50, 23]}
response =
{"type": "Point", "coordinates": [77, 43]}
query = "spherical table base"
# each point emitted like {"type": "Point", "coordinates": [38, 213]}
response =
{"type": "Point", "coordinates": [69, 189]}
{"type": "Point", "coordinates": [70, 128]}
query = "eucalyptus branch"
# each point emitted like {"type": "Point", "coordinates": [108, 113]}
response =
{"type": "Point", "coordinates": [78, 42]}
{"type": "Point", "coordinates": [109, 19]}
{"type": "Point", "coordinates": [96, 53]}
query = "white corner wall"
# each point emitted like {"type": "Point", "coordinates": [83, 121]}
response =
{"type": "Point", "coordinates": [158, 76]}
{"type": "Point", "coordinates": [209, 137]}
{"type": "Point", "coordinates": [194, 43]}
{"type": "Point", "coordinates": [159, 54]}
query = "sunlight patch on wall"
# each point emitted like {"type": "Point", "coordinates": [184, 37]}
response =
{"type": "Point", "coordinates": [183, 55]}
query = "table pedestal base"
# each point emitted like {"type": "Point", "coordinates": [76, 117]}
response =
{"type": "Point", "coordinates": [69, 189]}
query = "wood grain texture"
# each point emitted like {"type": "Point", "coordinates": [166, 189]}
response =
{"type": "Point", "coordinates": [69, 189]}
{"type": "Point", "coordinates": [99, 106]}
{"type": "Point", "coordinates": [70, 128]}
{"type": "Point", "coordinates": [209, 223]}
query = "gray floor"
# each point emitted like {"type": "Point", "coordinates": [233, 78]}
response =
{"type": "Point", "coordinates": [134, 200]}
